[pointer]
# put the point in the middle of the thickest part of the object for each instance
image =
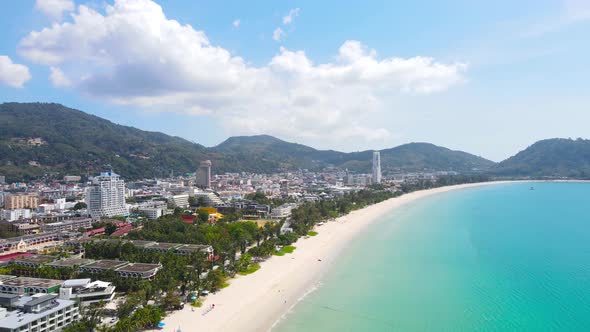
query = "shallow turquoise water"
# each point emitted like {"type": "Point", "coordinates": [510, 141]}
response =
{"type": "Point", "coordinates": [494, 258]}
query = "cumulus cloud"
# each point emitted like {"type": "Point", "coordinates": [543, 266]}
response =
{"type": "Point", "coordinates": [132, 54]}
{"type": "Point", "coordinates": [288, 19]}
{"type": "Point", "coordinates": [13, 74]}
{"type": "Point", "coordinates": [236, 23]}
{"type": "Point", "coordinates": [58, 78]}
{"type": "Point", "coordinates": [278, 34]}
{"type": "Point", "coordinates": [54, 9]}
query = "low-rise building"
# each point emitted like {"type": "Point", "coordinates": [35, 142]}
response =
{"type": "Point", "coordinates": [102, 265]}
{"type": "Point", "coordinates": [87, 291]}
{"type": "Point", "coordinates": [179, 200]}
{"type": "Point", "coordinates": [161, 247]}
{"type": "Point", "coordinates": [23, 228]}
{"type": "Point", "coordinates": [152, 212]}
{"type": "Point", "coordinates": [283, 211]}
{"type": "Point", "coordinates": [187, 249]}
{"type": "Point", "coordinates": [138, 270]}
{"type": "Point", "coordinates": [4, 277]}
{"type": "Point", "coordinates": [23, 243]}
{"type": "Point", "coordinates": [39, 313]}
{"type": "Point", "coordinates": [33, 261]}
{"type": "Point", "coordinates": [28, 286]}
{"type": "Point", "coordinates": [67, 225]}
{"type": "Point", "coordinates": [209, 197]}
{"type": "Point", "coordinates": [72, 178]}
{"type": "Point", "coordinates": [70, 263]}
{"type": "Point", "coordinates": [16, 214]}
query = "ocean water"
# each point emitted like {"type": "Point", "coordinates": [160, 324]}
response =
{"type": "Point", "coordinates": [493, 258]}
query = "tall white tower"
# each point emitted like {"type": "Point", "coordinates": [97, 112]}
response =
{"type": "Point", "coordinates": [376, 167]}
{"type": "Point", "coordinates": [106, 196]}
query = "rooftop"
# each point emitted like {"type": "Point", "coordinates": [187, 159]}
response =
{"type": "Point", "coordinates": [32, 282]}
{"type": "Point", "coordinates": [40, 299]}
{"type": "Point", "coordinates": [194, 247]}
{"type": "Point", "coordinates": [141, 244]}
{"type": "Point", "coordinates": [106, 264]}
{"type": "Point", "coordinates": [139, 267]}
{"type": "Point", "coordinates": [4, 277]}
{"type": "Point", "coordinates": [162, 246]}
{"type": "Point", "coordinates": [16, 319]}
{"type": "Point", "coordinates": [35, 259]}
{"type": "Point", "coordinates": [71, 262]}
{"type": "Point", "coordinates": [14, 255]}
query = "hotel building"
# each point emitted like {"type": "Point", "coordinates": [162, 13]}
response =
{"type": "Point", "coordinates": [39, 313]}
{"type": "Point", "coordinates": [106, 196]}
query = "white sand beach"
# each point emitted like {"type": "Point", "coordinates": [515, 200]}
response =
{"type": "Point", "coordinates": [255, 302]}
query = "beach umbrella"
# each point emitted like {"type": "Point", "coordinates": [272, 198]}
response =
{"type": "Point", "coordinates": [193, 298]}
{"type": "Point", "coordinates": [161, 324]}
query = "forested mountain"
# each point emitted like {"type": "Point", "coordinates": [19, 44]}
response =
{"type": "Point", "coordinates": [556, 157]}
{"type": "Point", "coordinates": [43, 138]}
{"type": "Point", "coordinates": [38, 138]}
{"type": "Point", "coordinates": [407, 157]}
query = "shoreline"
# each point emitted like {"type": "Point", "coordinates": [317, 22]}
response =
{"type": "Point", "coordinates": [260, 301]}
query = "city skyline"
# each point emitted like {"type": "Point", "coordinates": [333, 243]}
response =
{"type": "Point", "coordinates": [456, 70]}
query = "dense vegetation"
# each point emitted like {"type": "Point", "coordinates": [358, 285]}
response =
{"type": "Point", "coordinates": [408, 157]}
{"type": "Point", "coordinates": [73, 142]}
{"type": "Point", "coordinates": [550, 158]}
{"type": "Point", "coordinates": [443, 181]}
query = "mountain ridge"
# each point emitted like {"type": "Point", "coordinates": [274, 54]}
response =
{"type": "Point", "coordinates": [74, 142]}
{"type": "Point", "coordinates": [554, 157]}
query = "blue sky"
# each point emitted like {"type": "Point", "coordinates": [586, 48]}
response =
{"type": "Point", "coordinates": [489, 78]}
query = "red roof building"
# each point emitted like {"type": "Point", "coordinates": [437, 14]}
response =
{"type": "Point", "coordinates": [14, 255]}
{"type": "Point", "coordinates": [122, 231]}
{"type": "Point", "coordinates": [96, 231]}
{"type": "Point", "coordinates": [187, 218]}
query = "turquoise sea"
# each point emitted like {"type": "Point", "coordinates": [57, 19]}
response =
{"type": "Point", "coordinates": [492, 258]}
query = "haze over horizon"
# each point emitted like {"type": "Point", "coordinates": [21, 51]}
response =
{"type": "Point", "coordinates": [489, 79]}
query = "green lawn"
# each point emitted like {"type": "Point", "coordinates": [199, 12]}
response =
{"type": "Point", "coordinates": [251, 269]}
{"type": "Point", "coordinates": [285, 250]}
{"type": "Point", "coordinates": [312, 233]}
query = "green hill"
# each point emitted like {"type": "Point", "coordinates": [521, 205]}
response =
{"type": "Point", "coordinates": [556, 157]}
{"type": "Point", "coordinates": [274, 153]}
{"type": "Point", "coordinates": [407, 157]}
{"type": "Point", "coordinates": [38, 139]}
{"type": "Point", "coordinates": [70, 141]}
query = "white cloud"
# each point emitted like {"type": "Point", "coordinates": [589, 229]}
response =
{"type": "Point", "coordinates": [58, 78]}
{"type": "Point", "coordinates": [133, 55]}
{"type": "Point", "coordinates": [288, 19]}
{"type": "Point", "coordinates": [236, 23]}
{"type": "Point", "coordinates": [13, 74]}
{"type": "Point", "coordinates": [54, 9]}
{"type": "Point", "coordinates": [278, 34]}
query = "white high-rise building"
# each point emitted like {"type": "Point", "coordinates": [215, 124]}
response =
{"type": "Point", "coordinates": [376, 167]}
{"type": "Point", "coordinates": [106, 196]}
